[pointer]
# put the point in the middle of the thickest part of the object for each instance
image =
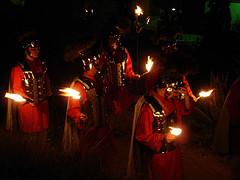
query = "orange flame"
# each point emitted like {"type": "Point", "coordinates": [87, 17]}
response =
{"type": "Point", "coordinates": [15, 97]}
{"type": "Point", "coordinates": [205, 93]}
{"type": "Point", "coordinates": [149, 64]}
{"type": "Point", "coordinates": [175, 131]}
{"type": "Point", "coordinates": [138, 11]}
{"type": "Point", "coordinates": [70, 93]}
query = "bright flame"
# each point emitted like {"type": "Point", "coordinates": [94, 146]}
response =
{"type": "Point", "coordinates": [205, 93]}
{"type": "Point", "coordinates": [175, 131]}
{"type": "Point", "coordinates": [15, 97]}
{"type": "Point", "coordinates": [71, 93]}
{"type": "Point", "coordinates": [90, 66]}
{"type": "Point", "coordinates": [148, 19]}
{"type": "Point", "coordinates": [149, 64]}
{"type": "Point", "coordinates": [138, 11]}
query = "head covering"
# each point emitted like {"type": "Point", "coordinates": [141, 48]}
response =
{"type": "Point", "coordinates": [29, 39]}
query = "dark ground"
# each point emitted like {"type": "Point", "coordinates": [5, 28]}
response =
{"type": "Point", "coordinates": [23, 160]}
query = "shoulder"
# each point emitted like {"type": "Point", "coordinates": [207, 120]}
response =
{"type": "Point", "coordinates": [17, 67]}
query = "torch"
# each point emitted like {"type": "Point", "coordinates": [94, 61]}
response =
{"type": "Point", "coordinates": [138, 12]}
{"type": "Point", "coordinates": [148, 65]}
{"type": "Point", "coordinates": [175, 131]}
{"type": "Point", "coordinates": [69, 92]}
{"type": "Point", "coordinates": [15, 97]}
{"type": "Point", "coordinates": [204, 94]}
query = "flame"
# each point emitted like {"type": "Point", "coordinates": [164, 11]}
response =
{"type": "Point", "coordinates": [148, 19]}
{"type": "Point", "coordinates": [138, 11]}
{"type": "Point", "coordinates": [205, 93]}
{"type": "Point", "coordinates": [175, 131]}
{"type": "Point", "coordinates": [149, 64]}
{"type": "Point", "coordinates": [70, 93]}
{"type": "Point", "coordinates": [90, 66]}
{"type": "Point", "coordinates": [15, 97]}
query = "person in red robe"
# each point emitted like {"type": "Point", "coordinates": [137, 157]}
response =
{"type": "Point", "coordinates": [163, 107]}
{"type": "Point", "coordinates": [30, 80]}
{"type": "Point", "coordinates": [119, 79]}
{"type": "Point", "coordinates": [87, 132]}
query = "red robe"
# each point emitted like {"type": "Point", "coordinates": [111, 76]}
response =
{"type": "Point", "coordinates": [74, 108]}
{"type": "Point", "coordinates": [123, 98]}
{"type": "Point", "coordinates": [93, 130]}
{"type": "Point", "coordinates": [32, 117]}
{"type": "Point", "coordinates": [159, 166]}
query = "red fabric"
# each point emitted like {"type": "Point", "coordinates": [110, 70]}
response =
{"type": "Point", "coordinates": [129, 69]}
{"type": "Point", "coordinates": [74, 109]}
{"type": "Point", "coordinates": [123, 98]}
{"type": "Point", "coordinates": [32, 117]}
{"type": "Point", "coordinates": [159, 166]}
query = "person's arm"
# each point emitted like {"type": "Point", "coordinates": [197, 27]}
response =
{"type": "Point", "coordinates": [144, 131]}
{"type": "Point", "coordinates": [189, 90]}
{"type": "Point", "coordinates": [16, 81]}
{"type": "Point", "coordinates": [129, 69]}
{"type": "Point", "coordinates": [74, 109]}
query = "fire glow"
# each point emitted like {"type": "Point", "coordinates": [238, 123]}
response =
{"type": "Point", "coordinates": [149, 64]}
{"type": "Point", "coordinates": [138, 11]}
{"type": "Point", "coordinates": [205, 93]}
{"type": "Point", "coordinates": [15, 97]}
{"type": "Point", "coordinates": [70, 93]}
{"type": "Point", "coordinates": [175, 131]}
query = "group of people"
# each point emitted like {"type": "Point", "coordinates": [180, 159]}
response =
{"type": "Point", "coordinates": [103, 96]}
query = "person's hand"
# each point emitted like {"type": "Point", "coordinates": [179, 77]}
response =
{"type": "Point", "coordinates": [183, 91]}
{"type": "Point", "coordinates": [81, 120]}
{"type": "Point", "coordinates": [83, 117]}
{"type": "Point", "coordinates": [170, 137]}
{"type": "Point", "coordinates": [137, 76]}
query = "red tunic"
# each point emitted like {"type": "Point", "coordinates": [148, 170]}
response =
{"type": "Point", "coordinates": [123, 97]}
{"type": "Point", "coordinates": [32, 117]}
{"type": "Point", "coordinates": [75, 105]}
{"type": "Point", "coordinates": [159, 166]}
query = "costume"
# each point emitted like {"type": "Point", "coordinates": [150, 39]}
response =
{"type": "Point", "coordinates": [87, 116]}
{"type": "Point", "coordinates": [158, 159]}
{"type": "Point", "coordinates": [118, 77]}
{"type": "Point", "coordinates": [30, 80]}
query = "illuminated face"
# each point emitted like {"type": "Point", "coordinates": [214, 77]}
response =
{"type": "Point", "coordinates": [92, 62]}
{"type": "Point", "coordinates": [172, 88]}
{"type": "Point", "coordinates": [32, 49]}
{"type": "Point", "coordinates": [33, 52]}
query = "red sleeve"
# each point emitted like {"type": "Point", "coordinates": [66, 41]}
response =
{"type": "Point", "coordinates": [129, 70]}
{"type": "Point", "coordinates": [144, 132]}
{"type": "Point", "coordinates": [74, 108]}
{"type": "Point", "coordinates": [16, 81]}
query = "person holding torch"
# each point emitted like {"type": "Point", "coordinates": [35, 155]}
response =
{"type": "Point", "coordinates": [30, 81]}
{"type": "Point", "coordinates": [29, 92]}
{"type": "Point", "coordinates": [156, 128]}
{"type": "Point", "coordinates": [86, 129]}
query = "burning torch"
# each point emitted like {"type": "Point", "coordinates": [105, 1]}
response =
{"type": "Point", "coordinates": [140, 24]}
{"type": "Point", "coordinates": [175, 131]}
{"type": "Point", "coordinates": [148, 65]}
{"type": "Point", "coordinates": [204, 94]}
{"type": "Point", "coordinates": [69, 92]}
{"type": "Point", "coordinates": [15, 97]}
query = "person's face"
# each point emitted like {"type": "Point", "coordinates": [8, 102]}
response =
{"type": "Point", "coordinates": [113, 43]}
{"type": "Point", "coordinates": [92, 70]}
{"type": "Point", "coordinates": [32, 52]}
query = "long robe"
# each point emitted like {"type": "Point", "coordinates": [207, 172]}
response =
{"type": "Point", "coordinates": [31, 117]}
{"type": "Point", "coordinates": [155, 165]}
